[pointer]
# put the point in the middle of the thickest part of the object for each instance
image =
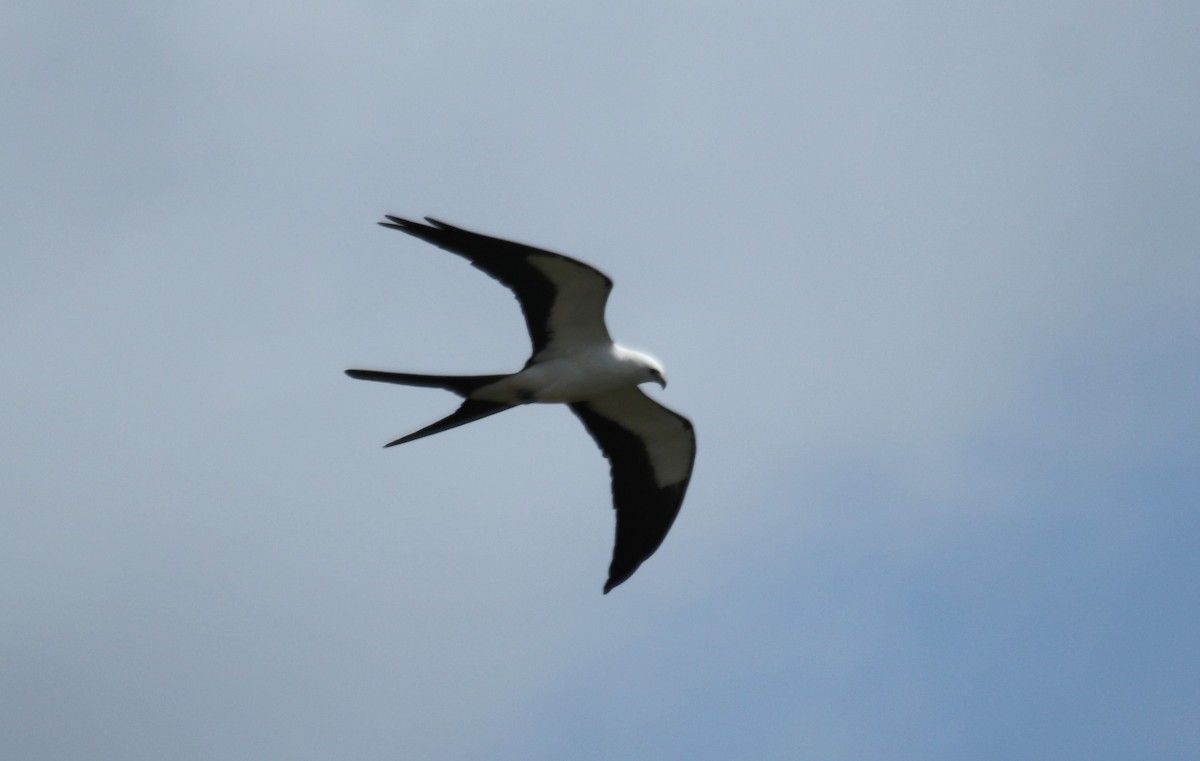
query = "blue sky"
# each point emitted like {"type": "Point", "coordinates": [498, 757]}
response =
{"type": "Point", "coordinates": [924, 277]}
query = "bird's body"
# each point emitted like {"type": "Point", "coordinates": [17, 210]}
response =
{"type": "Point", "coordinates": [572, 377]}
{"type": "Point", "coordinates": [574, 362]}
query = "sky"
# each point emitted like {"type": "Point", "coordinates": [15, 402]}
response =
{"type": "Point", "coordinates": [924, 276]}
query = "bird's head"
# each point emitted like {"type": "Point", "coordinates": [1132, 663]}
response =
{"type": "Point", "coordinates": [640, 368]}
{"type": "Point", "coordinates": [656, 375]}
{"type": "Point", "coordinates": [652, 371]}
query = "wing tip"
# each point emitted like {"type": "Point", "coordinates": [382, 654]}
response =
{"type": "Point", "coordinates": [398, 223]}
{"type": "Point", "coordinates": [409, 226]}
{"type": "Point", "coordinates": [616, 580]}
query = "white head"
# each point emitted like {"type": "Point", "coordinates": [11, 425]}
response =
{"type": "Point", "coordinates": [648, 368]}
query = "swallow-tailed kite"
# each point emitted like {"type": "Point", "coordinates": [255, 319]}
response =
{"type": "Point", "coordinates": [650, 448]}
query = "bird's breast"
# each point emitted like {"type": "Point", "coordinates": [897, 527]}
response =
{"type": "Point", "coordinates": [571, 379]}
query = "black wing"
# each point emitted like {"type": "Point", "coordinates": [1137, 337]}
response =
{"type": "Point", "coordinates": [563, 299]}
{"type": "Point", "coordinates": [651, 450]}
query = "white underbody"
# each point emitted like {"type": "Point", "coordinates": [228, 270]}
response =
{"type": "Point", "coordinates": [572, 377]}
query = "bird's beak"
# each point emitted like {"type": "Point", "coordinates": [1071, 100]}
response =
{"type": "Point", "coordinates": [662, 381]}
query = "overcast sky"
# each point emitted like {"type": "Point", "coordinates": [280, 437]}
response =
{"type": "Point", "coordinates": [925, 276]}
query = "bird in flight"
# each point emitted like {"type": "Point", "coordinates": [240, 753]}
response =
{"type": "Point", "coordinates": [650, 449]}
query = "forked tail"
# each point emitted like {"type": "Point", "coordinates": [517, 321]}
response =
{"type": "Point", "coordinates": [462, 385]}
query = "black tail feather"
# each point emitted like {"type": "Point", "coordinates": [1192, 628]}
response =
{"type": "Point", "coordinates": [463, 385]}
{"type": "Point", "coordinates": [470, 410]}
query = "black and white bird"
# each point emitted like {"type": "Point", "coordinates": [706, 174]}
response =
{"type": "Point", "coordinates": [650, 448]}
